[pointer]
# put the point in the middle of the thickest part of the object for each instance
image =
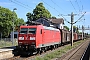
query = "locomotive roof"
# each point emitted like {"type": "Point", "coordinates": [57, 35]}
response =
{"type": "Point", "coordinates": [44, 21]}
{"type": "Point", "coordinates": [50, 28]}
{"type": "Point", "coordinates": [45, 27]}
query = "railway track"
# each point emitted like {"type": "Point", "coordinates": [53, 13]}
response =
{"type": "Point", "coordinates": [76, 53]}
{"type": "Point", "coordinates": [34, 55]}
{"type": "Point", "coordinates": [28, 57]}
{"type": "Point", "coordinates": [67, 56]}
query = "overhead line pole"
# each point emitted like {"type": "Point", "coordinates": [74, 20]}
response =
{"type": "Point", "coordinates": [72, 22]}
{"type": "Point", "coordinates": [82, 32]}
{"type": "Point", "coordinates": [83, 28]}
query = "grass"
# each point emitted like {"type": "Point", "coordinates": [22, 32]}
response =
{"type": "Point", "coordinates": [60, 52]}
{"type": "Point", "coordinates": [6, 43]}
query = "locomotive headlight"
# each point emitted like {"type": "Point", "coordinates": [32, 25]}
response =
{"type": "Point", "coordinates": [32, 38]}
{"type": "Point", "coordinates": [21, 38]}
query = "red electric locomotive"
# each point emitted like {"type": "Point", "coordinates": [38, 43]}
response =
{"type": "Point", "coordinates": [37, 38]}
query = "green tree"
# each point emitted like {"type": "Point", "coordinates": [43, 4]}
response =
{"type": "Point", "coordinates": [18, 22]}
{"type": "Point", "coordinates": [75, 29]}
{"type": "Point", "coordinates": [38, 12]}
{"type": "Point", "coordinates": [6, 23]}
{"type": "Point", "coordinates": [53, 17]}
{"type": "Point", "coordinates": [66, 27]}
{"type": "Point", "coordinates": [29, 17]}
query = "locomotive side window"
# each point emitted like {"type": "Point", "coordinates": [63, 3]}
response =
{"type": "Point", "coordinates": [32, 30]}
{"type": "Point", "coordinates": [23, 30]}
{"type": "Point", "coordinates": [41, 31]}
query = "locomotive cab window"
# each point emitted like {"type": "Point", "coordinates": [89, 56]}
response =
{"type": "Point", "coordinates": [23, 30]}
{"type": "Point", "coordinates": [32, 31]}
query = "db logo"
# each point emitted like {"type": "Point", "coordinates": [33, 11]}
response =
{"type": "Point", "coordinates": [27, 37]}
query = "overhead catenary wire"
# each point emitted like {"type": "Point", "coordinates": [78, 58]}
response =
{"type": "Point", "coordinates": [24, 4]}
{"type": "Point", "coordinates": [20, 4]}
{"type": "Point", "coordinates": [72, 5]}
{"type": "Point", "coordinates": [80, 17]}
{"type": "Point", "coordinates": [78, 5]}
{"type": "Point", "coordinates": [82, 9]}
{"type": "Point", "coordinates": [57, 5]}
{"type": "Point", "coordinates": [50, 6]}
{"type": "Point", "coordinates": [62, 15]}
{"type": "Point", "coordinates": [57, 11]}
{"type": "Point", "coordinates": [65, 19]}
{"type": "Point", "coordinates": [81, 4]}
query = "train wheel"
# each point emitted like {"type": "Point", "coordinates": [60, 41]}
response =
{"type": "Point", "coordinates": [57, 45]}
{"type": "Point", "coordinates": [51, 47]}
{"type": "Point", "coordinates": [45, 49]}
{"type": "Point", "coordinates": [40, 51]}
{"type": "Point", "coordinates": [54, 47]}
{"type": "Point", "coordinates": [16, 52]}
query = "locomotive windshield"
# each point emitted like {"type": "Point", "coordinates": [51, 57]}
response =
{"type": "Point", "coordinates": [28, 31]}
{"type": "Point", "coordinates": [23, 30]}
{"type": "Point", "coordinates": [32, 31]}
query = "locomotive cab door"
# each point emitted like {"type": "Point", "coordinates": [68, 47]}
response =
{"type": "Point", "coordinates": [43, 37]}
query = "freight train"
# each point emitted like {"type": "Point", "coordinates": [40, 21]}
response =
{"type": "Point", "coordinates": [39, 38]}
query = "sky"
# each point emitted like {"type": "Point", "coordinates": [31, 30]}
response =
{"type": "Point", "coordinates": [55, 7]}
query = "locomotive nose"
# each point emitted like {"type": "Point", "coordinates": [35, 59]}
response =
{"type": "Point", "coordinates": [27, 39]}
